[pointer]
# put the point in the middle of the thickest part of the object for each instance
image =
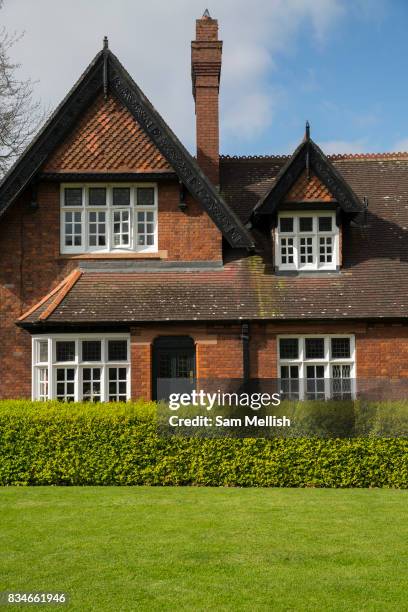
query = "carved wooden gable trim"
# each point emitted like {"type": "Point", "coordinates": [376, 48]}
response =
{"type": "Point", "coordinates": [325, 183]}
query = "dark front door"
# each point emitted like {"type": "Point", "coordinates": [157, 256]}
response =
{"type": "Point", "coordinates": [173, 366]}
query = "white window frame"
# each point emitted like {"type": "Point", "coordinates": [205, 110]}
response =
{"type": "Point", "coordinates": [109, 208]}
{"type": "Point", "coordinates": [327, 362]}
{"type": "Point", "coordinates": [315, 234]}
{"type": "Point", "coordinates": [51, 365]}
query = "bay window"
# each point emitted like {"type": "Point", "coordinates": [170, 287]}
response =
{"type": "Point", "coordinates": [91, 368]}
{"type": "Point", "coordinates": [307, 241]}
{"type": "Point", "coordinates": [108, 218]}
{"type": "Point", "coordinates": [316, 367]}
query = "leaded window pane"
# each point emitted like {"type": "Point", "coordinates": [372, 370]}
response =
{"type": "Point", "coordinates": [341, 382]}
{"type": "Point", "coordinates": [73, 196]}
{"type": "Point", "coordinates": [42, 351]}
{"type": "Point", "coordinates": [306, 250]}
{"type": "Point", "coordinates": [286, 224]}
{"type": "Point", "coordinates": [43, 384]}
{"type": "Point", "coordinates": [306, 224]}
{"type": "Point", "coordinates": [314, 348]}
{"type": "Point", "coordinates": [145, 228]}
{"type": "Point", "coordinates": [65, 390]}
{"type": "Point", "coordinates": [315, 386]}
{"type": "Point", "coordinates": [65, 350]}
{"type": "Point", "coordinates": [121, 196]}
{"type": "Point", "coordinates": [91, 350]}
{"type": "Point", "coordinates": [325, 249]}
{"type": "Point", "coordinates": [97, 228]}
{"type": "Point", "coordinates": [73, 228]}
{"type": "Point", "coordinates": [287, 250]}
{"type": "Point", "coordinates": [290, 382]}
{"type": "Point", "coordinates": [289, 348]}
{"type": "Point", "coordinates": [117, 350]}
{"type": "Point", "coordinates": [340, 348]}
{"type": "Point", "coordinates": [145, 196]}
{"type": "Point", "coordinates": [117, 384]}
{"type": "Point", "coordinates": [121, 228]}
{"type": "Point", "coordinates": [97, 196]}
{"type": "Point", "coordinates": [91, 384]}
{"type": "Point", "coordinates": [325, 224]}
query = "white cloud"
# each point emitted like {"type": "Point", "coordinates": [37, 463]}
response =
{"type": "Point", "coordinates": [401, 145]}
{"type": "Point", "coordinates": [343, 146]}
{"type": "Point", "coordinates": [152, 40]}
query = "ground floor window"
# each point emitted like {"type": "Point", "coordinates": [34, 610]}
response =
{"type": "Point", "coordinates": [316, 367]}
{"type": "Point", "coordinates": [89, 368]}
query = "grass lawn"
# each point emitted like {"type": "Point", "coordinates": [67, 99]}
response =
{"type": "Point", "coordinates": [201, 549]}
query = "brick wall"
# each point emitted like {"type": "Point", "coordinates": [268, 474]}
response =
{"type": "Point", "coordinates": [29, 268]}
{"type": "Point", "coordinates": [381, 350]}
{"type": "Point", "coordinates": [186, 236]}
{"type": "Point", "coordinates": [31, 264]}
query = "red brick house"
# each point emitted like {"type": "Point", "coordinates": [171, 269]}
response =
{"type": "Point", "coordinates": [124, 259]}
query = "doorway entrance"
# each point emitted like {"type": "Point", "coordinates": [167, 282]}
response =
{"type": "Point", "coordinates": [174, 369]}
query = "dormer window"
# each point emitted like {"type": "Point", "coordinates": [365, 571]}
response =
{"type": "Point", "coordinates": [307, 241]}
{"type": "Point", "coordinates": [108, 218]}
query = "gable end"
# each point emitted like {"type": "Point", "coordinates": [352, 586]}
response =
{"type": "Point", "coordinates": [309, 157]}
{"type": "Point", "coordinates": [106, 73]}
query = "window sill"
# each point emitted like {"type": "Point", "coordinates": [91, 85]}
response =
{"type": "Point", "coordinates": [307, 273]}
{"type": "Point", "coordinates": [156, 255]}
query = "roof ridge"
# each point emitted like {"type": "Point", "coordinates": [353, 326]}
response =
{"type": "Point", "coordinates": [253, 157]}
{"type": "Point", "coordinates": [70, 281]}
{"type": "Point", "coordinates": [332, 156]}
{"type": "Point", "coordinates": [388, 155]}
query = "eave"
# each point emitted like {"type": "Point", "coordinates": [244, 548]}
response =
{"type": "Point", "coordinates": [95, 177]}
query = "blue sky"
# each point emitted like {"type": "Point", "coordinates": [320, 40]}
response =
{"type": "Point", "coordinates": [350, 85]}
{"type": "Point", "coordinates": [341, 64]}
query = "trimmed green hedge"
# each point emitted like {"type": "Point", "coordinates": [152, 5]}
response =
{"type": "Point", "coordinates": [118, 444]}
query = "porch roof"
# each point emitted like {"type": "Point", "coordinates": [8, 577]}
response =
{"type": "Point", "coordinates": [245, 288]}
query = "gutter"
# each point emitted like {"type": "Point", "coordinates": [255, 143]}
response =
{"type": "Point", "coordinates": [245, 352]}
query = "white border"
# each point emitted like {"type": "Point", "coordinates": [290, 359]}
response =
{"type": "Point", "coordinates": [327, 361]}
{"type": "Point", "coordinates": [77, 363]}
{"type": "Point", "coordinates": [108, 208]}
{"type": "Point", "coordinates": [315, 234]}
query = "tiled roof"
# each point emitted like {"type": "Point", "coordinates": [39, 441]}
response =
{"type": "Point", "coordinates": [244, 180]}
{"type": "Point", "coordinates": [244, 289]}
{"type": "Point", "coordinates": [373, 281]}
{"type": "Point", "coordinates": [107, 139]}
{"type": "Point", "coordinates": [308, 188]}
{"type": "Point", "coordinates": [43, 309]}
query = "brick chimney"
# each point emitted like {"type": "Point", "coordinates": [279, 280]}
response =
{"type": "Point", "coordinates": [205, 73]}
